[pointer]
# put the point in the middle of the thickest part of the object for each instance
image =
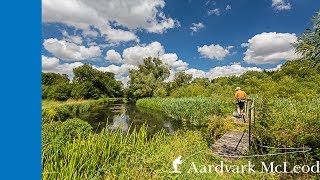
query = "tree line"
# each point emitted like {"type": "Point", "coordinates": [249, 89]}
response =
{"type": "Point", "coordinates": [87, 83]}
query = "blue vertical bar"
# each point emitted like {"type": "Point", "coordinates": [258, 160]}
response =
{"type": "Point", "coordinates": [20, 90]}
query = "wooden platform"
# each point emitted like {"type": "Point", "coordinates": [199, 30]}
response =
{"type": "Point", "coordinates": [227, 144]}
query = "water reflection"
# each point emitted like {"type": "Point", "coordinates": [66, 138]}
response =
{"type": "Point", "coordinates": [127, 117]}
{"type": "Point", "coordinates": [120, 123]}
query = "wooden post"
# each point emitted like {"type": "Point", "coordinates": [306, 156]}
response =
{"type": "Point", "coordinates": [249, 126]}
{"type": "Point", "coordinates": [247, 105]}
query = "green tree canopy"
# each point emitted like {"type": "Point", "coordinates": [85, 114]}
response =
{"type": "Point", "coordinates": [182, 78]}
{"type": "Point", "coordinates": [308, 44]}
{"type": "Point", "coordinates": [103, 82]}
{"type": "Point", "coordinates": [54, 78]}
{"type": "Point", "coordinates": [148, 78]}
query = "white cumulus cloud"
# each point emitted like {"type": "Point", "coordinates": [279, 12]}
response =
{"type": "Point", "coordinates": [214, 51]}
{"type": "Point", "coordinates": [221, 71]}
{"type": "Point", "coordinates": [70, 51]}
{"type": "Point", "coordinates": [135, 55]}
{"type": "Point", "coordinates": [49, 62]}
{"type": "Point", "coordinates": [107, 16]}
{"type": "Point", "coordinates": [113, 56]}
{"type": "Point", "coordinates": [232, 70]}
{"type": "Point", "coordinates": [52, 64]}
{"type": "Point", "coordinates": [270, 48]}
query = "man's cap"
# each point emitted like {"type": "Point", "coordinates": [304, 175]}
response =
{"type": "Point", "coordinates": [238, 88]}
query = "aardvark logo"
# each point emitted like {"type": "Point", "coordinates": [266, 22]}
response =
{"type": "Point", "coordinates": [175, 164]}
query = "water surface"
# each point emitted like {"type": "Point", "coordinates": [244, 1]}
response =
{"type": "Point", "coordinates": [120, 115]}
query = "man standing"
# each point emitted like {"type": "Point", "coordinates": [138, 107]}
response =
{"type": "Point", "coordinates": [240, 97]}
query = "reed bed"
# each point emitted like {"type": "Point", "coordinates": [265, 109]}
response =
{"type": "Point", "coordinates": [191, 110]}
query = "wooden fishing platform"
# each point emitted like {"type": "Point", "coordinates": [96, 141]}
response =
{"type": "Point", "coordinates": [232, 143]}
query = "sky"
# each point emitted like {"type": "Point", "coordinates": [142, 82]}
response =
{"type": "Point", "coordinates": [205, 38]}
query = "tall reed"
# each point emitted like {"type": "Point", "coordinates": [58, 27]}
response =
{"type": "Point", "coordinates": [192, 110]}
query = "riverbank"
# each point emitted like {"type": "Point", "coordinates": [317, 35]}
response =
{"type": "Point", "coordinates": [52, 103]}
{"type": "Point", "coordinates": [62, 110]}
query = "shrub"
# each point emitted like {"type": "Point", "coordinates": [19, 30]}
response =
{"type": "Point", "coordinates": [62, 132]}
{"type": "Point", "coordinates": [59, 92]}
{"type": "Point", "coordinates": [191, 90]}
{"type": "Point", "coordinates": [289, 123]}
{"type": "Point", "coordinates": [160, 92]}
{"type": "Point", "coordinates": [74, 128]}
{"type": "Point", "coordinates": [217, 126]}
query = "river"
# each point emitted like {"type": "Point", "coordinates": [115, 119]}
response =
{"type": "Point", "coordinates": [126, 117]}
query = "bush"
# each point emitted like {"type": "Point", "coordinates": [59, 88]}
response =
{"type": "Point", "coordinates": [62, 132]}
{"type": "Point", "coordinates": [191, 90]}
{"type": "Point", "coordinates": [289, 123]}
{"type": "Point", "coordinates": [60, 113]}
{"type": "Point", "coordinates": [217, 126]}
{"type": "Point", "coordinates": [49, 114]}
{"type": "Point", "coordinates": [59, 92]}
{"type": "Point", "coordinates": [160, 92]}
{"type": "Point", "coordinates": [74, 128]}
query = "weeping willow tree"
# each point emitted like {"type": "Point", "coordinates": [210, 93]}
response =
{"type": "Point", "coordinates": [308, 44]}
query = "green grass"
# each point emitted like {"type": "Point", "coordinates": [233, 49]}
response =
{"type": "Point", "coordinates": [191, 110]}
{"type": "Point", "coordinates": [132, 156]}
{"type": "Point", "coordinates": [62, 110]}
{"type": "Point", "coordinates": [51, 103]}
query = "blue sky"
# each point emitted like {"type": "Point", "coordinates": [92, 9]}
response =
{"type": "Point", "coordinates": [208, 38]}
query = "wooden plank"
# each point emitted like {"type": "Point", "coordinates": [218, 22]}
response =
{"type": "Point", "coordinates": [228, 142]}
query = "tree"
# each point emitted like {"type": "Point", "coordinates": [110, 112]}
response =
{"type": "Point", "coordinates": [59, 92]}
{"type": "Point", "coordinates": [308, 44]}
{"type": "Point", "coordinates": [55, 86]}
{"type": "Point", "coordinates": [182, 78]}
{"type": "Point", "coordinates": [103, 82]}
{"type": "Point", "coordinates": [54, 78]}
{"type": "Point", "coordinates": [85, 90]}
{"type": "Point", "coordinates": [148, 78]}
{"type": "Point", "coordinates": [201, 81]}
